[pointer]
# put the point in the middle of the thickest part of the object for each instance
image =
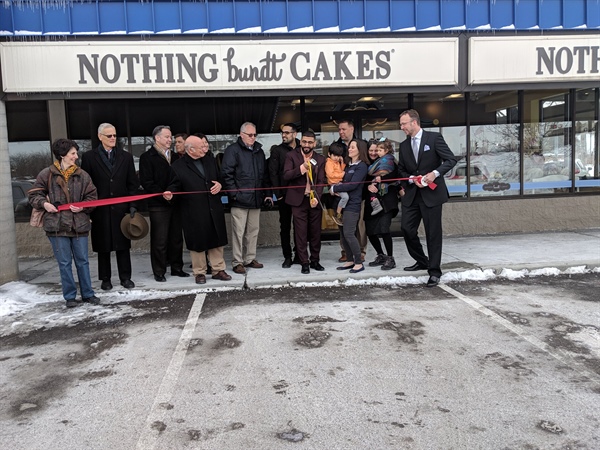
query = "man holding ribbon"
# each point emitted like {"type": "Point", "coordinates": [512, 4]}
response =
{"type": "Point", "coordinates": [166, 239]}
{"type": "Point", "coordinates": [304, 170]}
{"type": "Point", "coordinates": [113, 173]}
{"type": "Point", "coordinates": [424, 158]}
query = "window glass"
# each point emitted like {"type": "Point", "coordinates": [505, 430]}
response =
{"type": "Point", "coordinates": [494, 145]}
{"type": "Point", "coordinates": [586, 143]}
{"type": "Point", "coordinates": [547, 149]}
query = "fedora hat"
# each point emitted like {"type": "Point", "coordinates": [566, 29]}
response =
{"type": "Point", "coordinates": [135, 227]}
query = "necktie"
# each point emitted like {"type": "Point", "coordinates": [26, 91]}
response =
{"type": "Point", "coordinates": [415, 148]}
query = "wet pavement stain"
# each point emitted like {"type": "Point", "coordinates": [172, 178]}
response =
{"type": "Point", "coordinates": [513, 317]}
{"type": "Point", "coordinates": [509, 363]}
{"type": "Point", "coordinates": [226, 341]}
{"type": "Point", "coordinates": [159, 426]}
{"type": "Point", "coordinates": [166, 406]}
{"type": "Point", "coordinates": [96, 374]}
{"type": "Point", "coordinates": [194, 435]}
{"type": "Point", "coordinates": [406, 331]}
{"type": "Point", "coordinates": [292, 435]}
{"type": "Point", "coordinates": [313, 339]}
{"type": "Point", "coordinates": [316, 319]}
{"type": "Point", "coordinates": [39, 393]}
{"type": "Point", "coordinates": [550, 427]}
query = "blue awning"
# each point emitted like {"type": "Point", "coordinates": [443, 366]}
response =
{"type": "Point", "coordinates": [148, 17]}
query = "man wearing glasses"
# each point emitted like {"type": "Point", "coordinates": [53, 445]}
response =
{"type": "Point", "coordinates": [113, 173]}
{"type": "Point", "coordinates": [166, 239]}
{"type": "Point", "coordinates": [245, 175]}
{"type": "Point", "coordinates": [276, 166]}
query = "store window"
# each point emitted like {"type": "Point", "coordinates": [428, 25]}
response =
{"type": "Point", "coordinates": [494, 145]}
{"type": "Point", "coordinates": [547, 146]}
{"type": "Point", "coordinates": [586, 140]}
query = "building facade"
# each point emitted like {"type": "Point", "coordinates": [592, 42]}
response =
{"type": "Point", "coordinates": [513, 85]}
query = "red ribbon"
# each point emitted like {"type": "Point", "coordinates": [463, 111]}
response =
{"type": "Point", "coordinates": [134, 198]}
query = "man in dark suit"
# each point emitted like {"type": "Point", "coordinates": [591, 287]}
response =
{"type": "Point", "coordinates": [304, 170]}
{"type": "Point", "coordinates": [276, 166]}
{"type": "Point", "coordinates": [425, 154]}
{"type": "Point", "coordinates": [113, 173]}
{"type": "Point", "coordinates": [166, 239]}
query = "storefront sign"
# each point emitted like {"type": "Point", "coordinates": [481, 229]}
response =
{"type": "Point", "coordinates": [184, 66]}
{"type": "Point", "coordinates": [511, 59]}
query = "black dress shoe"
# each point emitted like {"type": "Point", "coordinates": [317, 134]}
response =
{"type": "Point", "coordinates": [160, 278]}
{"type": "Point", "coordinates": [318, 267]}
{"type": "Point", "coordinates": [414, 267]}
{"type": "Point", "coordinates": [287, 263]}
{"type": "Point", "coordinates": [178, 273]}
{"type": "Point", "coordinates": [305, 268]}
{"type": "Point", "coordinates": [93, 300]}
{"type": "Point", "coordinates": [433, 281]}
{"type": "Point", "coordinates": [106, 285]}
{"type": "Point", "coordinates": [128, 284]}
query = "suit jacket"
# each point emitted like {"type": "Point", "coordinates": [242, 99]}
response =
{"type": "Point", "coordinates": [120, 181]}
{"type": "Point", "coordinates": [434, 154]}
{"type": "Point", "coordinates": [276, 167]}
{"type": "Point", "coordinates": [292, 174]}
{"type": "Point", "coordinates": [155, 171]}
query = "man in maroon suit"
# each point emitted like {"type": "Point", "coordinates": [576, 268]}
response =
{"type": "Point", "coordinates": [304, 169]}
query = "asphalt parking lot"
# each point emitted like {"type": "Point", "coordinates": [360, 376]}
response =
{"type": "Point", "coordinates": [501, 364]}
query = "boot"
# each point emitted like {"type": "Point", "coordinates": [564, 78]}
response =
{"type": "Point", "coordinates": [376, 206]}
{"type": "Point", "coordinates": [389, 263]}
{"type": "Point", "coordinates": [379, 261]}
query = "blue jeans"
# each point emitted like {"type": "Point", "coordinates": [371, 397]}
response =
{"type": "Point", "coordinates": [67, 249]}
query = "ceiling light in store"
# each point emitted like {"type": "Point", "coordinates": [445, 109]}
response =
{"type": "Point", "coordinates": [454, 96]}
{"type": "Point", "coordinates": [369, 99]}
{"type": "Point", "coordinates": [296, 101]}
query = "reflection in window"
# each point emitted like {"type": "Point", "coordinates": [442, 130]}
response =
{"type": "Point", "coordinates": [586, 140]}
{"type": "Point", "coordinates": [27, 159]}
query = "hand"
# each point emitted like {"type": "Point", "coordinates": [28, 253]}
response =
{"type": "Point", "coordinates": [132, 211]}
{"type": "Point", "coordinates": [216, 188]}
{"type": "Point", "coordinates": [269, 201]}
{"type": "Point", "coordinates": [49, 207]}
{"type": "Point", "coordinates": [377, 179]}
{"type": "Point", "coordinates": [313, 202]}
{"type": "Point", "coordinates": [372, 188]}
{"type": "Point", "coordinates": [167, 195]}
{"type": "Point", "coordinates": [75, 209]}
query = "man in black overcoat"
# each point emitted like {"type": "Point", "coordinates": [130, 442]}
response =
{"type": "Point", "coordinates": [203, 215]}
{"type": "Point", "coordinates": [113, 173]}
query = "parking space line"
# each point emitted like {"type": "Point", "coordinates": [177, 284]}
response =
{"type": "Point", "coordinates": [150, 432]}
{"type": "Point", "coordinates": [559, 355]}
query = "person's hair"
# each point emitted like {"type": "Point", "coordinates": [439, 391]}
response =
{"type": "Point", "coordinates": [309, 133]}
{"type": "Point", "coordinates": [387, 146]}
{"type": "Point", "coordinates": [348, 121]}
{"type": "Point", "coordinates": [246, 125]}
{"type": "Point", "coordinates": [200, 135]}
{"type": "Point", "coordinates": [336, 149]}
{"type": "Point", "coordinates": [61, 147]}
{"type": "Point", "coordinates": [363, 150]}
{"type": "Point", "coordinates": [104, 126]}
{"type": "Point", "coordinates": [292, 125]}
{"type": "Point", "coordinates": [181, 135]}
{"type": "Point", "coordinates": [414, 115]}
{"type": "Point", "coordinates": [372, 142]}
{"type": "Point", "coordinates": [158, 129]}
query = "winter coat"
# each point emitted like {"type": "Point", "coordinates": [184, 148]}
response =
{"type": "Point", "coordinates": [276, 167]}
{"type": "Point", "coordinates": [79, 188]}
{"type": "Point", "coordinates": [120, 181]}
{"type": "Point", "coordinates": [243, 171]}
{"type": "Point", "coordinates": [203, 214]}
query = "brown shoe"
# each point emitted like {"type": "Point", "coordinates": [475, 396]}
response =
{"type": "Point", "coordinates": [239, 269]}
{"type": "Point", "coordinates": [221, 275]}
{"type": "Point", "coordinates": [201, 279]}
{"type": "Point", "coordinates": [343, 258]}
{"type": "Point", "coordinates": [255, 264]}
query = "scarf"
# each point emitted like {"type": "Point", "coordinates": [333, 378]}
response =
{"type": "Point", "coordinates": [65, 173]}
{"type": "Point", "coordinates": [381, 167]}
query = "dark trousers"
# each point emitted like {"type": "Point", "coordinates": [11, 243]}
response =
{"type": "Point", "coordinates": [432, 221]}
{"type": "Point", "coordinates": [123, 265]}
{"type": "Point", "coordinates": [307, 231]}
{"type": "Point", "coordinates": [348, 236]}
{"type": "Point", "coordinates": [166, 240]}
{"type": "Point", "coordinates": [285, 227]}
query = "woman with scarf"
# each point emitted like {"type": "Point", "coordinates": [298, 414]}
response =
{"type": "Point", "coordinates": [381, 204]}
{"type": "Point", "coordinates": [61, 183]}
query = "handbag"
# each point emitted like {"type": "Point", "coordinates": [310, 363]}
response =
{"type": "Point", "coordinates": [37, 215]}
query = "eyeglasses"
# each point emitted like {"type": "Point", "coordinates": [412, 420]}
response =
{"type": "Point", "coordinates": [250, 135]}
{"type": "Point", "coordinates": [109, 135]}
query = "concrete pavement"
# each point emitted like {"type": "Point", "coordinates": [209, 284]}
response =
{"type": "Point", "coordinates": [529, 251]}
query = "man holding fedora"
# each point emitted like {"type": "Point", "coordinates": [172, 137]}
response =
{"type": "Point", "coordinates": [113, 173]}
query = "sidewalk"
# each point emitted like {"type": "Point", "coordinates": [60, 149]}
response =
{"type": "Point", "coordinates": [463, 258]}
